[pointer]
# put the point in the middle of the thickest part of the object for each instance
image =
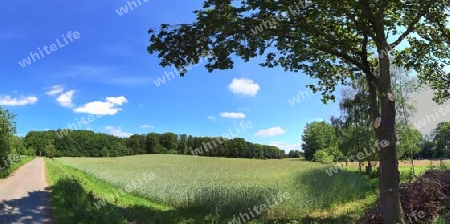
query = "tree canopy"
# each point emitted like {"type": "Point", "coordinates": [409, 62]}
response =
{"type": "Point", "coordinates": [327, 40]}
{"type": "Point", "coordinates": [7, 131]}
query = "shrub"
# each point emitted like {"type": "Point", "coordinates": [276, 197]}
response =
{"type": "Point", "coordinates": [323, 156]}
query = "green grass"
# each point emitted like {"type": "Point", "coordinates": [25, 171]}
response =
{"type": "Point", "coordinates": [188, 189]}
{"type": "Point", "coordinates": [223, 187]}
{"type": "Point", "coordinates": [74, 195]}
{"type": "Point", "coordinates": [14, 166]}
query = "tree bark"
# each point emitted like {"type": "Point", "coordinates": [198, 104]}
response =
{"type": "Point", "coordinates": [389, 179]}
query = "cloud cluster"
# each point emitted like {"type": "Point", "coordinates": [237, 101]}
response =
{"type": "Point", "coordinates": [22, 101]}
{"type": "Point", "coordinates": [233, 115]}
{"type": "Point", "coordinates": [117, 131]}
{"type": "Point", "coordinates": [108, 107]}
{"type": "Point", "coordinates": [270, 132]}
{"type": "Point", "coordinates": [64, 98]}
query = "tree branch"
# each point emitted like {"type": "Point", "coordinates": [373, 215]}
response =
{"type": "Point", "coordinates": [412, 25]}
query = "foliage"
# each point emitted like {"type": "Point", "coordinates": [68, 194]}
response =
{"type": "Point", "coordinates": [50, 151]}
{"type": "Point", "coordinates": [323, 156]}
{"type": "Point", "coordinates": [14, 166]}
{"type": "Point", "coordinates": [327, 40]}
{"type": "Point", "coordinates": [408, 142]}
{"type": "Point", "coordinates": [7, 131]}
{"type": "Point", "coordinates": [442, 139]}
{"type": "Point", "coordinates": [78, 143]}
{"type": "Point", "coordinates": [318, 136]}
{"type": "Point", "coordinates": [294, 154]}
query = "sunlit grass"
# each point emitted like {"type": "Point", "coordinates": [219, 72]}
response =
{"type": "Point", "coordinates": [230, 186]}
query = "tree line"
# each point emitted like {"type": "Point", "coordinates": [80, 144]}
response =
{"type": "Point", "coordinates": [85, 143]}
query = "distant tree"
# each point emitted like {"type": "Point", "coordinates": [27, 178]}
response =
{"type": "Point", "coordinates": [408, 142]}
{"type": "Point", "coordinates": [105, 151]}
{"type": "Point", "coordinates": [442, 140]}
{"type": "Point", "coordinates": [183, 146]}
{"type": "Point", "coordinates": [294, 154]}
{"type": "Point", "coordinates": [137, 144]}
{"type": "Point", "coordinates": [152, 143]}
{"type": "Point", "coordinates": [7, 131]}
{"type": "Point", "coordinates": [319, 136]}
{"type": "Point", "coordinates": [426, 147]}
{"type": "Point", "coordinates": [17, 145]}
{"type": "Point", "coordinates": [169, 141]}
{"type": "Point", "coordinates": [50, 151]}
{"type": "Point", "coordinates": [357, 133]}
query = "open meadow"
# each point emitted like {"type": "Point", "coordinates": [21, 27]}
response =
{"type": "Point", "coordinates": [228, 187]}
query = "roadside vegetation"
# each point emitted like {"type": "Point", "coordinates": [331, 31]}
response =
{"type": "Point", "coordinates": [14, 166]}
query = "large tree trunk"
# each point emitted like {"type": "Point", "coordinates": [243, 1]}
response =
{"type": "Point", "coordinates": [389, 179]}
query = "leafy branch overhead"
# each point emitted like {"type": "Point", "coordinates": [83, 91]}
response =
{"type": "Point", "coordinates": [327, 40]}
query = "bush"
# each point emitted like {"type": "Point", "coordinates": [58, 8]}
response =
{"type": "Point", "coordinates": [50, 151]}
{"type": "Point", "coordinates": [323, 156]}
{"type": "Point", "coordinates": [160, 150]}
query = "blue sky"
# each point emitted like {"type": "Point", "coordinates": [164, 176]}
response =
{"type": "Point", "coordinates": [104, 70]}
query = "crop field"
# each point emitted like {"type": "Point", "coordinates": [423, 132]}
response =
{"type": "Point", "coordinates": [229, 186]}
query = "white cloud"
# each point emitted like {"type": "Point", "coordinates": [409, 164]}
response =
{"type": "Point", "coordinates": [54, 90]}
{"type": "Point", "coordinates": [22, 101]}
{"type": "Point", "coordinates": [146, 126]}
{"type": "Point", "coordinates": [287, 147]}
{"type": "Point", "coordinates": [108, 107]}
{"type": "Point", "coordinates": [243, 87]}
{"type": "Point", "coordinates": [211, 118]}
{"type": "Point", "coordinates": [234, 115]}
{"type": "Point", "coordinates": [117, 100]}
{"type": "Point", "coordinates": [270, 132]}
{"type": "Point", "coordinates": [117, 131]}
{"type": "Point", "coordinates": [65, 99]}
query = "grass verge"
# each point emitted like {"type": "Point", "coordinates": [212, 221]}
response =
{"type": "Point", "coordinates": [10, 169]}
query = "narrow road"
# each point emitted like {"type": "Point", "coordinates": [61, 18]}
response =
{"type": "Point", "coordinates": [24, 195]}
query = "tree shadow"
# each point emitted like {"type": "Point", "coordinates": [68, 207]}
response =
{"type": "Point", "coordinates": [28, 209]}
{"type": "Point", "coordinates": [341, 187]}
{"type": "Point", "coordinates": [72, 204]}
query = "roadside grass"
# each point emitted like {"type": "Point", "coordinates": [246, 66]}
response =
{"type": "Point", "coordinates": [10, 169]}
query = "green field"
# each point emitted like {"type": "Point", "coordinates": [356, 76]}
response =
{"type": "Point", "coordinates": [225, 187]}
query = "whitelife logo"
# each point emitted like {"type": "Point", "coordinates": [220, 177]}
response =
{"type": "Point", "coordinates": [50, 49]}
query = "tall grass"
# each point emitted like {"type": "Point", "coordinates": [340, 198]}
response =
{"type": "Point", "coordinates": [229, 186]}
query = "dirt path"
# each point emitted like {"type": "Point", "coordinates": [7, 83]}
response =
{"type": "Point", "coordinates": [24, 194]}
